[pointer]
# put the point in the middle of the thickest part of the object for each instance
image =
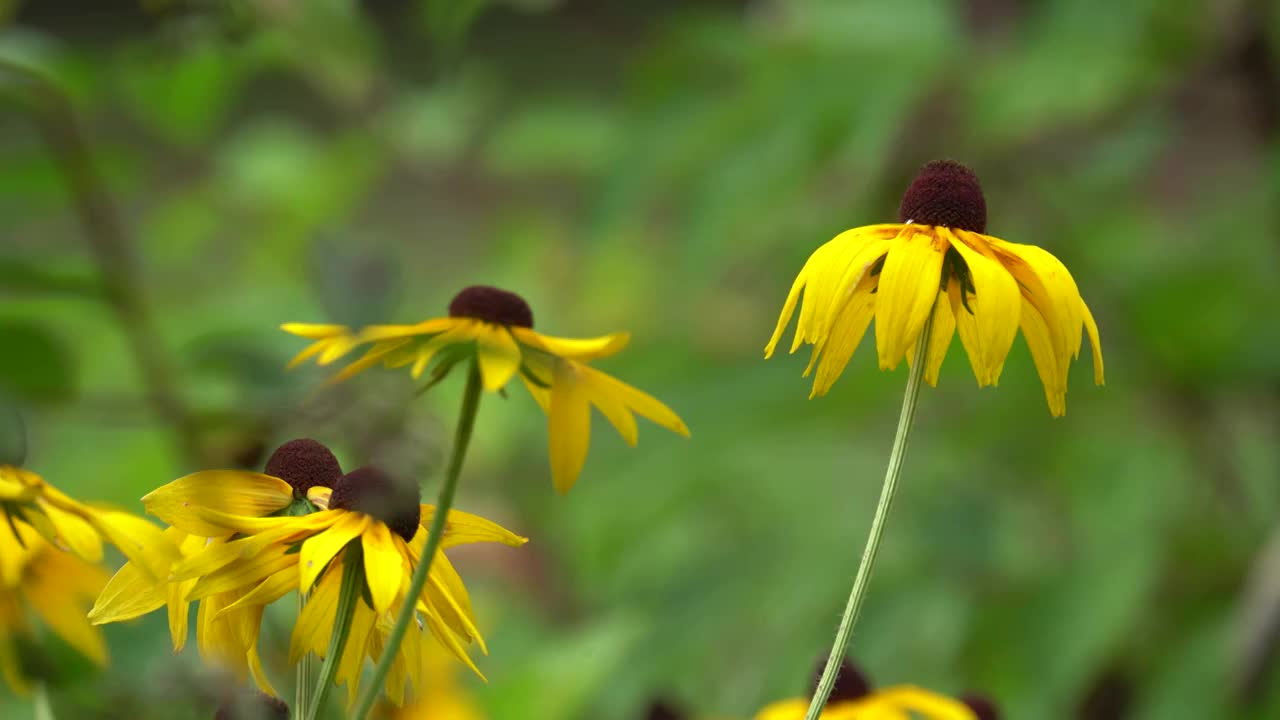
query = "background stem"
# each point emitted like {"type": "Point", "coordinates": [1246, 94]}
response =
{"type": "Point", "coordinates": [462, 437]}
{"type": "Point", "coordinates": [863, 578]}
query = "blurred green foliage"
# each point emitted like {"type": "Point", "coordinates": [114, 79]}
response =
{"type": "Point", "coordinates": [665, 167]}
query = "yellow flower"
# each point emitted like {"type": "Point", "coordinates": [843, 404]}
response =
{"type": "Point", "coordinates": [937, 260]}
{"type": "Point", "coordinates": [366, 518]}
{"type": "Point", "coordinates": [854, 699]}
{"type": "Point", "coordinates": [497, 326]}
{"type": "Point", "coordinates": [78, 527]}
{"type": "Point", "coordinates": [36, 577]}
{"type": "Point", "coordinates": [226, 632]}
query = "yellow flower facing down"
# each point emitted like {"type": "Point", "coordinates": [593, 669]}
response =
{"type": "Point", "coordinates": [855, 699]}
{"type": "Point", "coordinates": [364, 513]}
{"type": "Point", "coordinates": [226, 631]}
{"type": "Point", "coordinates": [938, 261]}
{"type": "Point", "coordinates": [37, 579]}
{"type": "Point", "coordinates": [79, 528]}
{"type": "Point", "coordinates": [497, 327]}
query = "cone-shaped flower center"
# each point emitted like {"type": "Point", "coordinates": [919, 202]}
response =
{"type": "Point", "coordinates": [304, 464]}
{"type": "Point", "coordinates": [373, 492]}
{"type": "Point", "coordinates": [660, 710]}
{"type": "Point", "coordinates": [945, 193]}
{"type": "Point", "coordinates": [492, 305]}
{"type": "Point", "coordinates": [851, 684]}
{"type": "Point", "coordinates": [982, 707]}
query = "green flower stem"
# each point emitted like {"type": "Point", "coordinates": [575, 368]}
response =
{"type": "Point", "coordinates": [306, 672]}
{"type": "Point", "coordinates": [43, 708]}
{"type": "Point", "coordinates": [462, 437]}
{"type": "Point", "coordinates": [863, 578]}
{"type": "Point", "coordinates": [348, 596]}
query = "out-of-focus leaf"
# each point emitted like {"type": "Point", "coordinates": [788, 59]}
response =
{"type": "Point", "coordinates": [35, 366]}
{"type": "Point", "coordinates": [184, 93]}
{"type": "Point", "coordinates": [19, 276]}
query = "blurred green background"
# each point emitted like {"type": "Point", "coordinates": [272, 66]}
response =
{"type": "Point", "coordinates": [179, 177]}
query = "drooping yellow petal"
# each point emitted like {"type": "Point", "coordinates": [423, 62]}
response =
{"type": "Point", "coordinates": [569, 427]}
{"type": "Point", "coordinates": [315, 331]}
{"type": "Point", "coordinates": [143, 543]}
{"type": "Point", "coordinates": [642, 403]}
{"type": "Point", "coordinates": [319, 549]}
{"type": "Point", "coordinates": [832, 273]}
{"type": "Point", "coordinates": [580, 349]}
{"type": "Point", "coordinates": [274, 587]}
{"type": "Point", "coordinates": [1049, 364]}
{"type": "Point", "coordinates": [352, 660]}
{"type": "Point", "coordinates": [46, 589]}
{"type": "Point", "coordinates": [382, 566]}
{"type": "Point", "coordinates": [315, 620]}
{"type": "Point", "coordinates": [941, 332]}
{"type": "Point", "coordinates": [75, 534]}
{"type": "Point", "coordinates": [618, 415]}
{"type": "Point", "coordinates": [987, 333]}
{"type": "Point", "coordinates": [1050, 289]}
{"type": "Point", "coordinates": [238, 576]}
{"type": "Point", "coordinates": [848, 327]}
{"type": "Point", "coordinates": [179, 612]}
{"type": "Point", "coordinates": [1094, 342]}
{"type": "Point", "coordinates": [236, 492]}
{"type": "Point", "coordinates": [127, 595]}
{"type": "Point", "coordinates": [498, 354]}
{"type": "Point", "coordinates": [372, 356]}
{"type": "Point", "coordinates": [904, 297]}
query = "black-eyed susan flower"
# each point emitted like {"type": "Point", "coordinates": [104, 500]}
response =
{"type": "Point", "coordinates": [937, 260]}
{"type": "Point", "coordinates": [496, 328]}
{"type": "Point", "coordinates": [366, 521]}
{"type": "Point", "coordinates": [40, 581]}
{"type": "Point", "coordinates": [854, 698]}
{"type": "Point", "coordinates": [226, 631]}
{"type": "Point", "coordinates": [28, 499]}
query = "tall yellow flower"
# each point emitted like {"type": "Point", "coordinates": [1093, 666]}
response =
{"type": "Point", "coordinates": [937, 260]}
{"type": "Point", "coordinates": [226, 632]}
{"type": "Point", "coordinates": [855, 699]}
{"type": "Point", "coordinates": [365, 518]}
{"type": "Point", "coordinates": [37, 579]}
{"type": "Point", "coordinates": [496, 327]}
{"type": "Point", "coordinates": [26, 498]}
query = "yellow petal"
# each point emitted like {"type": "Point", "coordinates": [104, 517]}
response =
{"type": "Point", "coordinates": [353, 654]}
{"type": "Point", "coordinates": [904, 297]}
{"type": "Point", "coordinates": [792, 709]}
{"type": "Point", "coordinates": [848, 327]}
{"type": "Point", "coordinates": [580, 349]}
{"type": "Point", "coordinates": [142, 543]}
{"type": "Point", "coordinates": [1095, 343]}
{"type": "Point", "coordinates": [941, 332]}
{"type": "Point", "coordinates": [1051, 290]}
{"type": "Point", "coordinates": [832, 274]}
{"type": "Point", "coordinates": [314, 331]}
{"type": "Point", "coordinates": [618, 415]}
{"type": "Point", "coordinates": [75, 534]}
{"type": "Point", "coordinates": [319, 549]}
{"type": "Point", "coordinates": [179, 612]}
{"type": "Point", "coordinates": [987, 333]}
{"type": "Point", "coordinates": [64, 612]}
{"type": "Point", "coordinates": [382, 566]}
{"type": "Point", "coordinates": [380, 333]}
{"type": "Point", "coordinates": [372, 356]}
{"type": "Point", "coordinates": [928, 705]}
{"type": "Point", "coordinates": [641, 403]}
{"type": "Point", "coordinates": [238, 577]}
{"type": "Point", "coordinates": [127, 595]}
{"type": "Point", "coordinates": [315, 620]}
{"type": "Point", "coordinates": [498, 354]}
{"type": "Point", "coordinates": [319, 496]}
{"type": "Point", "coordinates": [569, 427]}
{"type": "Point", "coordinates": [235, 492]}
{"type": "Point", "coordinates": [463, 528]}
{"type": "Point", "coordinates": [1049, 364]}
{"type": "Point", "coordinates": [274, 587]}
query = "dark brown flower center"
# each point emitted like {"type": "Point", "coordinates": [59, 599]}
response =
{"type": "Point", "coordinates": [373, 492]}
{"type": "Point", "coordinates": [945, 193]}
{"type": "Point", "coordinates": [304, 464]}
{"type": "Point", "coordinates": [851, 684]}
{"type": "Point", "coordinates": [258, 707]}
{"type": "Point", "coordinates": [983, 707]}
{"type": "Point", "coordinates": [661, 710]}
{"type": "Point", "coordinates": [492, 305]}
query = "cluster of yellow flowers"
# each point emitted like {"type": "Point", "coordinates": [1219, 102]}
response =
{"type": "Point", "coordinates": [366, 557]}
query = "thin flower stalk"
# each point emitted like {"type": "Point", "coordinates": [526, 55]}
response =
{"type": "Point", "coordinates": [349, 595]}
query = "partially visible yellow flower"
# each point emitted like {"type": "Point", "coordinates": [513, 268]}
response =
{"type": "Point", "coordinates": [938, 261]}
{"type": "Point", "coordinates": [497, 327]}
{"type": "Point", "coordinates": [855, 699]}
{"type": "Point", "coordinates": [78, 527]}
{"type": "Point", "coordinates": [366, 518]}
{"type": "Point", "coordinates": [55, 586]}
{"type": "Point", "coordinates": [226, 631]}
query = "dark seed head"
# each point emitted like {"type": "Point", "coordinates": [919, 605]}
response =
{"type": "Point", "coordinates": [981, 706]}
{"type": "Point", "coordinates": [492, 305]}
{"type": "Point", "coordinates": [258, 707]}
{"type": "Point", "coordinates": [661, 710]}
{"type": "Point", "coordinates": [304, 464]}
{"type": "Point", "coordinates": [945, 193]}
{"type": "Point", "coordinates": [851, 684]}
{"type": "Point", "coordinates": [373, 492]}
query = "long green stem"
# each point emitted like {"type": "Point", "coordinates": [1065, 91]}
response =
{"type": "Point", "coordinates": [462, 437]}
{"type": "Point", "coordinates": [348, 596]}
{"type": "Point", "coordinates": [305, 674]}
{"type": "Point", "coordinates": [43, 708]}
{"type": "Point", "coordinates": [863, 578]}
